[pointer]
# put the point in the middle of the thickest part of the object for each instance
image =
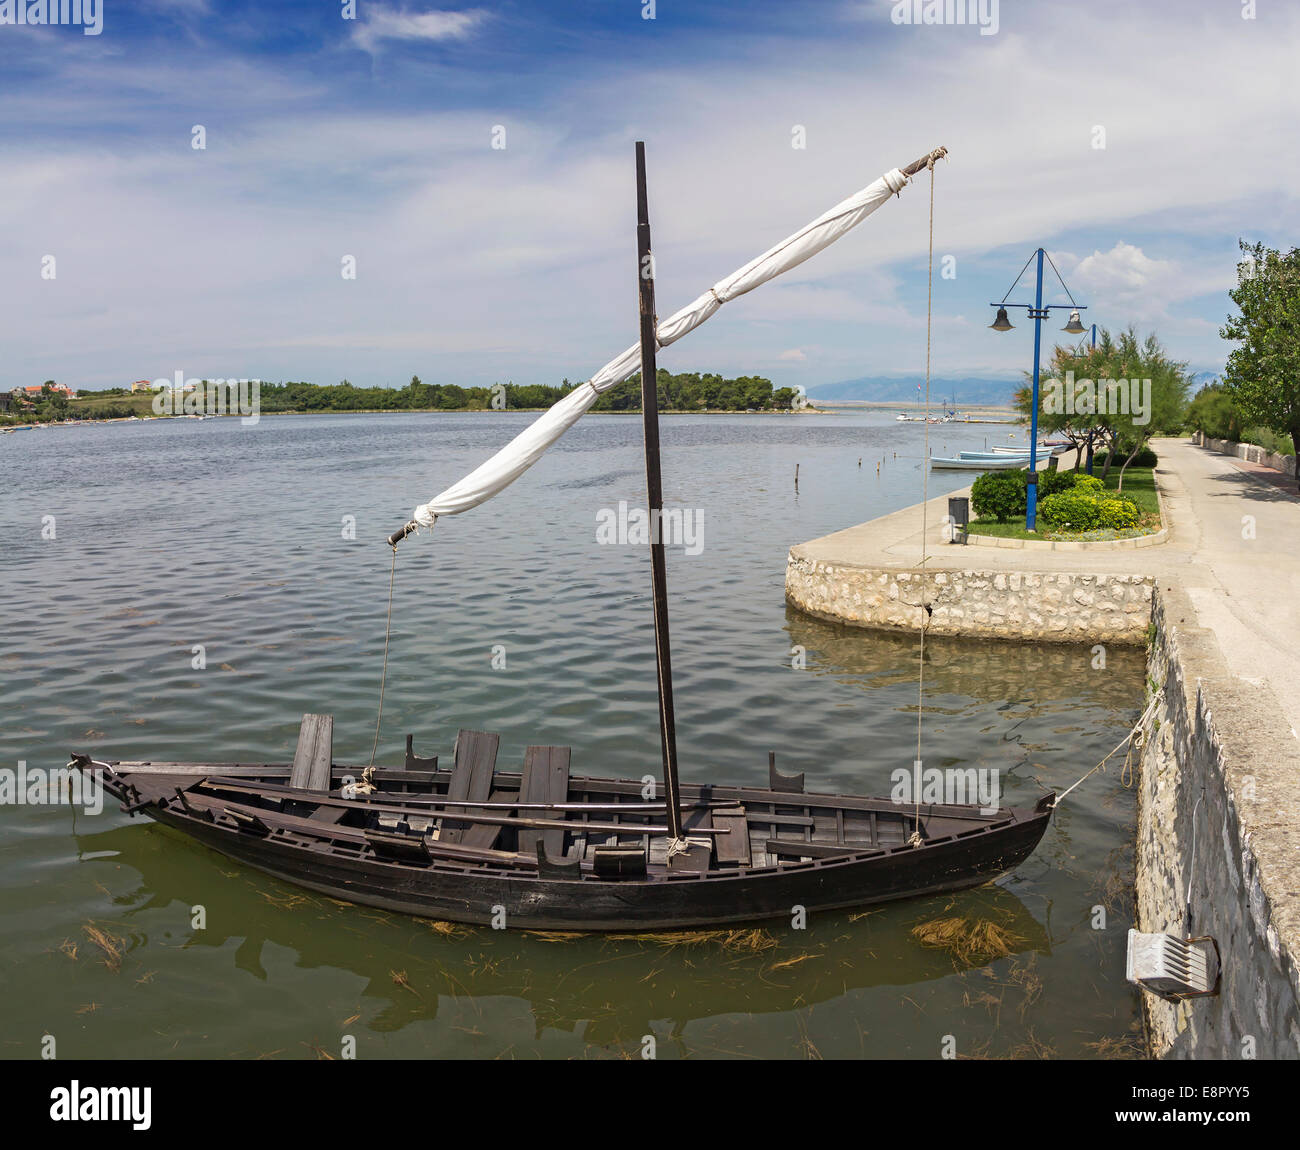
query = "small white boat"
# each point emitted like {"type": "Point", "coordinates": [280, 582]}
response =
{"type": "Point", "coordinates": [1043, 449]}
{"type": "Point", "coordinates": [1000, 463]}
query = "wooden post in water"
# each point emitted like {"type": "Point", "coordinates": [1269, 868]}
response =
{"type": "Point", "coordinates": [654, 496]}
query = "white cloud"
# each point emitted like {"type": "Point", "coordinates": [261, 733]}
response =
{"type": "Point", "coordinates": [383, 23]}
{"type": "Point", "coordinates": [477, 263]}
{"type": "Point", "coordinates": [794, 354]}
{"type": "Point", "coordinates": [1127, 279]}
{"type": "Point", "coordinates": [1124, 273]}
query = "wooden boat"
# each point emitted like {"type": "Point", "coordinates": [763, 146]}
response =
{"type": "Point", "coordinates": [1043, 449]}
{"type": "Point", "coordinates": [540, 848]}
{"type": "Point", "coordinates": [543, 849]}
{"type": "Point", "coordinates": [991, 463]}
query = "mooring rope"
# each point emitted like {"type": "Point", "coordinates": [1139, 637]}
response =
{"type": "Point", "coordinates": [383, 678]}
{"type": "Point", "coordinates": [916, 839]}
{"type": "Point", "coordinates": [1126, 777]}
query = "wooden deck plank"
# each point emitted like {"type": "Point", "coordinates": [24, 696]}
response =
{"type": "Point", "coordinates": [471, 778]}
{"type": "Point", "coordinates": [794, 848]}
{"type": "Point", "coordinates": [545, 779]}
{"type": "Point", "coordinates": [733, 847]}
{"type": "Point", "coordinates": [314, 754]}
{"type": "Point", "coordinates": [485, 834]}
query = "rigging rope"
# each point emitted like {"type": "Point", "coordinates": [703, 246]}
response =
{"type": "Point", "coordinates": [916, 839]}
{"type": "Point", "coordinates": [1126, 777]}
{"type": "Point", "coordinates": [383, 678]}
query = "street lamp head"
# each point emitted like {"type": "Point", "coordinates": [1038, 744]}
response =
{"type": "Point", "coordinates": [1074, 327]}
{"type": "Point", "coordinates": [1002, 323]}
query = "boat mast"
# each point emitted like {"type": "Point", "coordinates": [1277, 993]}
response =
{"type": "Point", "coordinates": [655, 499]}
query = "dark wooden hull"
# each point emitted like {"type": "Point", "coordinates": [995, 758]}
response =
{"type": "Point", "coordinates": [961, 848]}
{"type": "Point", "coordinates": [677, 902]}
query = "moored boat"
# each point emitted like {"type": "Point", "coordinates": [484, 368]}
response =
{"type": "Point", "coordinates": [998, 463]}
{"type": "Point", "coordinates": [542, 849]}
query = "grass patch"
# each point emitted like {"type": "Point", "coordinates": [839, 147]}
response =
{"type": "Point", "coordinates": [1139, 486]}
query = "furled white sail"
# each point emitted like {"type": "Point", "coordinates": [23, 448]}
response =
{"type": "Point", "coordinates": [527, 447]}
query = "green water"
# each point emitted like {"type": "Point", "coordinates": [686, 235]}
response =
{"type": "Point", "coordinates": [172, 535]}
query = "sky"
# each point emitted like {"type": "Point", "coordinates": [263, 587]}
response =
{"type": "Point", "coordinates": [476, 164]}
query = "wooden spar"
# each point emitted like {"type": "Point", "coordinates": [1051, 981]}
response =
{"type": "Point", "coordinates": [655, 498]}
{"type": "Point", "coordinates": [916, 165]}
{"type": "Point", "coordinates": [575, 825]}
{"type": "Point", "coordinates": [437, 802]}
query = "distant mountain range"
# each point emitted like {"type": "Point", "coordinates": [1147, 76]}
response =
{"type": "Point", "coordinates": [902, 389]}
{"type": "Point", "coordinates": [970, 391]}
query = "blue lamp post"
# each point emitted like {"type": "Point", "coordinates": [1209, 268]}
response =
{"type": "Point", "coordinates": [1038, 313]}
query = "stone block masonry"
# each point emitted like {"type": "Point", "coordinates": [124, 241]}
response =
{"type": "Point", "coordinates": [1218, 850]}
{"type": "Point", "coordinates": [1059, 606]}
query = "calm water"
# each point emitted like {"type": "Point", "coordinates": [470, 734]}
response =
{"type": "Point", "coordinates": [172, 535]}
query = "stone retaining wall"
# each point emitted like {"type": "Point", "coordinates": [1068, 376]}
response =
{"type": "Point", "coordinates": [1249, 452]}
{"type": "Point", "coordinates": [1057, 607]}
{"type": "Point", "coordinates": [1204, 802]}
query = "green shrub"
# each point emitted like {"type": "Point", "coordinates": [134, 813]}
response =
{"type": "Point", "coordinates": [1268, 440]}
{"type": "Point", "coordinates": [1000, 494]}
{"type": "Point", "coordinates": [1144, 458]}
{"type": "Point", "coordinates": [1073, 509]}
{"type": "Point", "coordinates": [1050, 482]}
{"type": "Point", "coordinates": [1119, 513]}
{"type": "Point", "coordinates": [1087, 506]}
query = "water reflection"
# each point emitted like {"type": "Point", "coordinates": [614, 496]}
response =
{"type": "Point", "coordinates": [616, 988]}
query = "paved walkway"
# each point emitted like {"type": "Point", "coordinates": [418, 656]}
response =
{"type": "Point", "coordinates": [895, 541]}
{"type": "Point", "coordinates": [1242, 570]}
{"type": "Point", "coordinates": [1234, 546]}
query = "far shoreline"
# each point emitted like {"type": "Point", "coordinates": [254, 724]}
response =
{"type": "Point", "coordinates": [827, 408]}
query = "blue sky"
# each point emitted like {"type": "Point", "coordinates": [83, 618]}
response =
{"type": "Point", "coordinates": [372, 137]}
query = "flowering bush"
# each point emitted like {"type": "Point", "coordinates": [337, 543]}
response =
{"type": "Point", "coordinates": [1087, 506]}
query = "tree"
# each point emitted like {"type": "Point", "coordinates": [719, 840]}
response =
{"type": "Point", "coordinates": [1263, 373]}
{"type": "Point", "coordinates": [1124, 390]}
{"type": "Point", "coordinates": [1213, 413]}
{"type": "Point", "coordinates": [1078, 421]}
{"type": "Point", "coordinates": [1169, 382]}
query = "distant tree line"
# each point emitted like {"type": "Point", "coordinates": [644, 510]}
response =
{"type": "Point", "coordinates": [688, 391]}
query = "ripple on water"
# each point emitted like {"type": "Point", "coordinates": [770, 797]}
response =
{"type": "Point", "coordinates": [209, 534]}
